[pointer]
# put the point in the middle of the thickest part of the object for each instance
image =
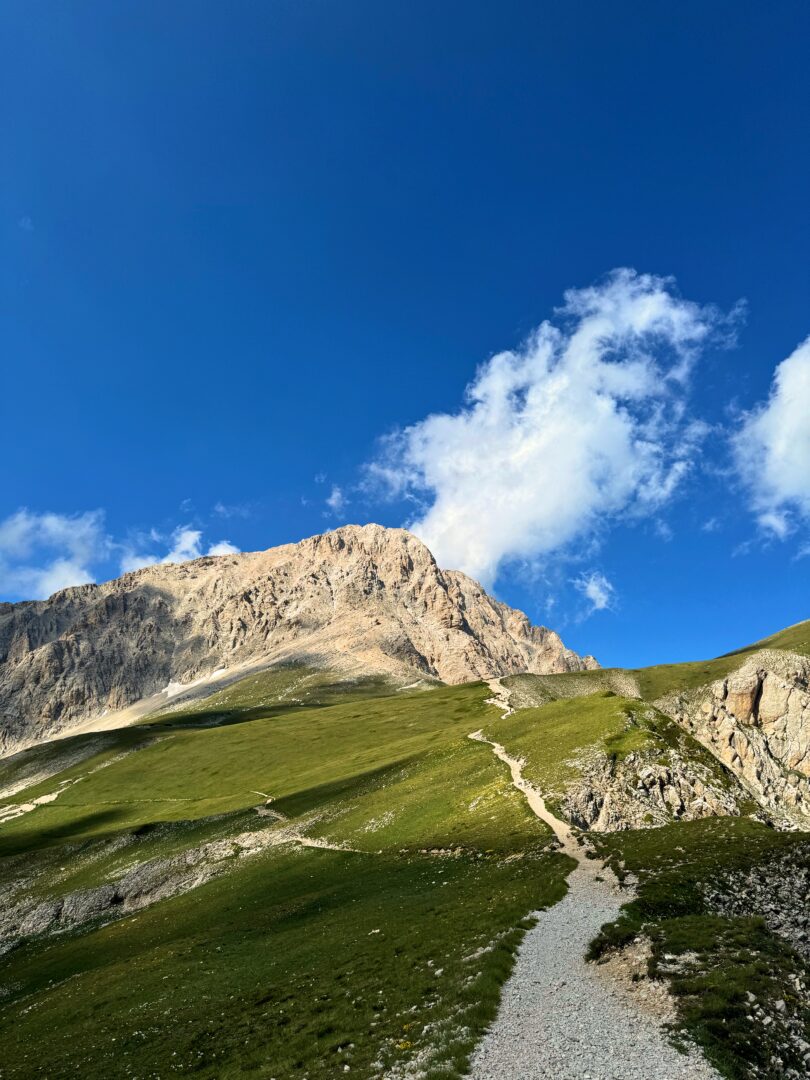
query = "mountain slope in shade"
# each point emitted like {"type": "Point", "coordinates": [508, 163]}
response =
{"type": "Point", "coordinates": [361, 599]}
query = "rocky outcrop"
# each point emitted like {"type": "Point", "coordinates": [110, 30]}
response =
{"type": "Point", "coordinates": [359, 599]}
{"type": "Point", "coordinates": [756, 721]}
{"type": "Point", "coordinates": [643, 792]}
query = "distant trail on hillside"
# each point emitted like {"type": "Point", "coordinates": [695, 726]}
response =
{"type": "Point", "coordinates": [560, 1018]}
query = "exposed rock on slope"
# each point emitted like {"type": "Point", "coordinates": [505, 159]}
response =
{"type": "Point", "coordinates": [757, 722]}
{"type": "Point", "coordinates": [641, 792]}
{"type": "Point", "coordinates": [776, 891]}
{"type": "Point", "coordinates": [359, 599]}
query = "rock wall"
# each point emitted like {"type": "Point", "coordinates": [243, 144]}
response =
{"type": "Point", "coordinates": [757, 723]}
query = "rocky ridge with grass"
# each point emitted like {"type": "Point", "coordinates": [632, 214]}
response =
{"type": "Point", "coordinates": [359, 600]}
{"type": "Point", "coordinates": [648, 789]}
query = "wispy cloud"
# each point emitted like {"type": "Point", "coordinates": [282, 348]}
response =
{"type": "Point", "coordinates": [772, 448]}
{"type": "Point", "coordinates": [232, 510]}
{"type": "Point", "coordinates": [596, 589]}
{"type": "Point", "coordinates": [584, 425]}
{"type": "Point", "coordinates": [41, 553]}
{"type": "Point", "coordinates": [185, 543]}
{"type": "Point", "coordinates": [336, 501]}
{"type": "Point", "coordinates": [26, 224]}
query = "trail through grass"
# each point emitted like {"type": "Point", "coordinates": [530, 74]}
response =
{"type": "Point", "coordinates": [296, 962]}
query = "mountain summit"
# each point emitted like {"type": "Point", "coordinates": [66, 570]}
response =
{"type": "Point", "coordinates": [360, 600]}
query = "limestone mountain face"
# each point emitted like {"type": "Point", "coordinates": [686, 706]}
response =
{"type": "Point", "coordinates": [361, 599]}
{"type": "Point", "coordinates": [757, 723]}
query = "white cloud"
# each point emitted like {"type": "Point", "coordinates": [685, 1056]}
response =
{"type": "Point", "coordinates": [772, 448]}
{"type": "Point", "coordinates": [337, 501]}
{"type": "Point", "coordinates": [60, 574]}
{"type": "Point", "coordinates": [185, 544]}
{"type": "Point", "coordinates": [42, 553]}
{"type": "Point", "coordinates": [583, 424]}
{"type": "Point", "coordinates": [663, 530]}
{"type": "Point", "coordinates": [224, 547]}
{"type": "Point", "coordinates": [596, 589]}
{"type": "Point", "coordinates": [136, 560]}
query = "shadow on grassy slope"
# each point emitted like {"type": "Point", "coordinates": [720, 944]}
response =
{"type": "Point", "coordinates": [299, 962]}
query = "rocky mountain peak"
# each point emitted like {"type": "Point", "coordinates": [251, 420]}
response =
{"type": "Point", "coordinates": [360, 599]}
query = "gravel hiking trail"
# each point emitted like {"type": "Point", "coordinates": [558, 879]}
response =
{"type": "Point", "coordinates": [560, 1018]}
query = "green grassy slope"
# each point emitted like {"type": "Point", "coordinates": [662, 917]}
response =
{"type": "Point", "coordinates": [386, 956]}
{"type": "Point", "coordinates": [297, 961]}
{"type": "Point", "coordinates": [551, 737]}
{"type": "Point", "coordinates": [652, 683]}
{"type": "Point", "coordinates": [655, 682]}
{"type": "Point", "coordinates": [554, 739]}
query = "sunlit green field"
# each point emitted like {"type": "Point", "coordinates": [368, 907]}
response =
{"type": "Point", "coordinates": [379, 955]}
{"type": "Point", "coordinates": [296, 961]}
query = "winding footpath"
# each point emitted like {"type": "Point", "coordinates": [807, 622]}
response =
{"type": "Point", "coordinates": [560, 1018]}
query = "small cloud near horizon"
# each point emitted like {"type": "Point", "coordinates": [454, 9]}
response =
{"type": "Point", "coordinates": [41, 553]}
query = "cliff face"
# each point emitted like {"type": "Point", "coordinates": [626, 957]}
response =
{"type": "Point", "coordinates": [359, 599]}
{"type": "Point", "coordinates": [757, 722]}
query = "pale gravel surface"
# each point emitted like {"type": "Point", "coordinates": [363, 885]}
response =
{"type": "Point", "coordinates": [558, 1019]}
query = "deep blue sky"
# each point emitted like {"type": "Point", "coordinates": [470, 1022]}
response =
{"type": "Point", "coordinates": [243, 241]}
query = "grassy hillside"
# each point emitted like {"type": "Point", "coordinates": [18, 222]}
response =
{"type": "Point", "coordinates": [381, 952]}
{"type": "Point", "coordinates": [652, 683]}
{"type": "Point", "coordinates": [296, 961]}
{"type": "Point", "coordinates": [551, 738]}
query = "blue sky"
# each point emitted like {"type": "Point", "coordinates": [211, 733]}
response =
{"type": "Point", "coordinates": [249, 250]}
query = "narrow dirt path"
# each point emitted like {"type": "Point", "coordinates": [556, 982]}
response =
{"type": "Point", "coordinates": [559, 1018]}
{"type": "Point", "coordinates": [500, 697]}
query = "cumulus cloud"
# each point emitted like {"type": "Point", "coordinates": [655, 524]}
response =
{"type": "Point", "coordinates": [585, 423]}
{"type": "Point", "coordinates": [596, 589]}
{"type": "Point", "coordinates": [41, 553]}
{"type": "Point", "coordinates": [772, 448]}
